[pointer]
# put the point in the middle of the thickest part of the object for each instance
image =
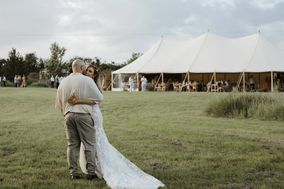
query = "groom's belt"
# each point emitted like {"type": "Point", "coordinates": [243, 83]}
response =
{"type": "Point", "coordinates": [83, 113]}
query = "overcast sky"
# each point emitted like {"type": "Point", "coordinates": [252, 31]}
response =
{"type": "Point", "coordinates": [113, 29]}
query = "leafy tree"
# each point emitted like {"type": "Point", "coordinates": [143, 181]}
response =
{"type": "Point", "coordinates": [15, 65]}
{"type": "Point", "coordinates": [32, 63]}
{"type": "Point", "coordinates": [41, 64]}
{"type": "Point", "coordinates": [2, 64]}
{"type": "Point", "coordinates": [55, 64]}
{"type": "Point", "coordinates": [134, 57]}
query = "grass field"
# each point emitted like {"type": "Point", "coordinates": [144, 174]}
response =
{"type": "Point", "coordinates": [166, 134]}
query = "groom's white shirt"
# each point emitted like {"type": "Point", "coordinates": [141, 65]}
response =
{"type": "Point", "coordinates": [80, 86]}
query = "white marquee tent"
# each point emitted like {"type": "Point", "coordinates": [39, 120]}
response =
{"type": "Point", "coordinates": [208, 53]}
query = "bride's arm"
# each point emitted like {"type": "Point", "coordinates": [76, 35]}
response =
{"type": "Point", "coordinates": [73, 101]}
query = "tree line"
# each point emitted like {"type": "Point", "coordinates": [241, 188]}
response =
{"type": "Point", "coordinates": [17, 64]}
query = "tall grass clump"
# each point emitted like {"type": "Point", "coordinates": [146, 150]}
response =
{"type": "Point", "coordinates": [249, 105]}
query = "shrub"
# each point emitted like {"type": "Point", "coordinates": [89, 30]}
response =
{"type": "Point", "coordinates": [150, 87]}
{"type": "Point", "coordinates": [9, 84]}
{"type": "Point", "coordinates": [39, 84]}
{"type": "Point", "coordinates": [253, 105]}
{"type": "Point", "coordinates": [32, 78]}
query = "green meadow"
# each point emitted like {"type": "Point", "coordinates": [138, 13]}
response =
{"type": "Point", "coordinates": [168, 135]}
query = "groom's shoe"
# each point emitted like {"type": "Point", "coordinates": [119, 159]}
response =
{"type": "Point", "coordinates": [92, 177]}
{"type": "Point", "coordinates": [75, 177]}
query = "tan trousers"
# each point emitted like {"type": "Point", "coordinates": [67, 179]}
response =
{"type": "Point", "coordinates": [79, 128]}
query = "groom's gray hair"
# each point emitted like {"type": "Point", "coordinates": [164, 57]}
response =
{"type": "Point", "coordinates": [78, 63]}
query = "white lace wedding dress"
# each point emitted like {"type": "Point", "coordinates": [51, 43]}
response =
{"type": "Point", "coordinates": [118, 171]}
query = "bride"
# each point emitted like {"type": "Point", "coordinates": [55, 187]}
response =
{"type": "Point", "coordinates": [113, 167]}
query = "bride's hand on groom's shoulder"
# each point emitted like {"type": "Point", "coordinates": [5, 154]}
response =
{"type": "Point", "coordinates": [72, 100]}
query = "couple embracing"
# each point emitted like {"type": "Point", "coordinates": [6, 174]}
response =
{"type": "Point", "coordinates": [78, 97]}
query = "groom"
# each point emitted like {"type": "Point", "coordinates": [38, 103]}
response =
{"type": "Point", "coordinates": [79, 125]}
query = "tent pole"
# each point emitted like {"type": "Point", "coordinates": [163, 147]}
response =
{"type": "Point", "coordinates": [137, 81]}
{"type": "Point", "coordinates": [239, 80]}
{"type": "Point", "coordinates": [259, 85]}
{"type": "Point", "coordinates": [211, 81]}
{"type": "Point", "coordinates": [188, 80]}
{"type": "Point", "coordinates": [272, 88]}
{"type": "Point", "coordinates": [158, 81]}
{"type": "Point", "coordinates": [244, 82]}
{"type": "Point", "coordinates": [111, 81]}
{"type": "Point", "coordinates": [185, 78]}
{"type": "Point", "coordinates": [120, 82]}
{"type": "Point", "coordinates": [114, 78]}
{"type": "Point", "coordinates": [162, 81]}
{"type": "Point", "coordinates": [215, 78]}
{"type": "Point", "coordinates": [212, 78]}
{"type": "Point", "coordinates": [188, 77]}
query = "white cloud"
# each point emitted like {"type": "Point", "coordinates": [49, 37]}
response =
{"type": "Point", "coordinates": [222, 4]}
{"type": "Point", "coordinates": [71, 4]}
{"type": "Point", "coordinates": [266, 4]}
{"type": "Point", "coordinates": [190, 19]}
{"type": "Point", "coordinates": [65, 20]}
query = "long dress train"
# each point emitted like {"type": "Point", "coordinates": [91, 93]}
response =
{"type": "Point", "coordinates": [118, 171]}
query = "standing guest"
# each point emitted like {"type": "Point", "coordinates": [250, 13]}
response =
{"type": "Point", "coordinates": [56, 81]}
{"type": "Point", "coordinates": [60, 79]}
{"type": "Point", "coordinates": [251, 83]}
{"type": "Point", "coordinates": [23, 84]}
{"type": "Point", "coordinates": [52, 81]}
{"type": "Point", "coordinates": [135, 84]}
{"type": "Point", "coordinates": [16, 80]}
{"type": "Point", "coordinates": [0, 81]}
{"type": "Point", "coordinates": [4, 81]}
{"type": "Point", "coordinates": [19, 81]}
{"type": "Point", "coordinates": [139, 84]}
{"type": "Point", "coordinates": [131, 84]}
{"type": "Point", "coordinates": [144, 83]}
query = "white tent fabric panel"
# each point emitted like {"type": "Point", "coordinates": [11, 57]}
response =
{"type": "Point", "coordinates": [170, 50]}
{"type": "Point", "coordinates": [185, 56]}
{"type": "Point", "coordinates": [224, 55]}
{"type": "Point", "coordinates": [265, 57]}
{"type": "Point", "coordinates": [136, 66]}
{"type": "Point", "coordinates": [209, 53]}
